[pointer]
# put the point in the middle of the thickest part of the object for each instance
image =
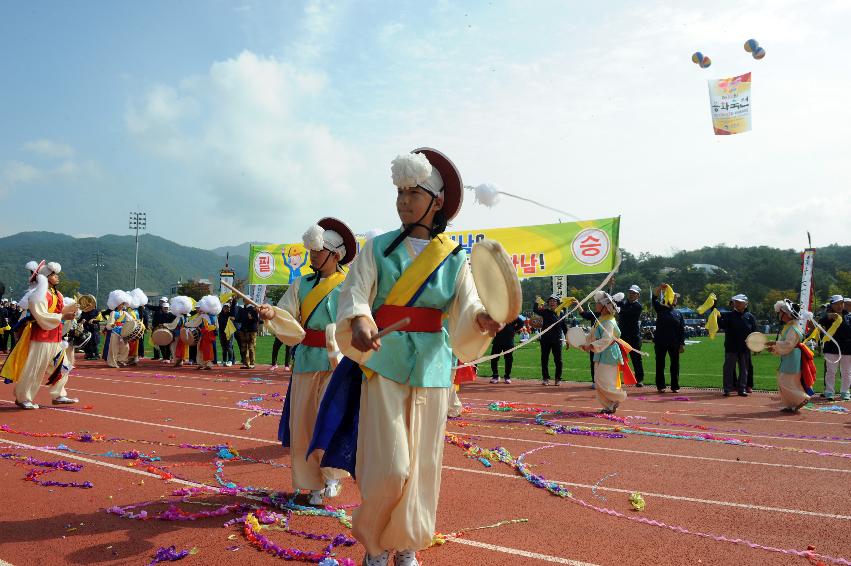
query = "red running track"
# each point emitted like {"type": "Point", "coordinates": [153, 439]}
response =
{"type": "Point", "coordinates": [789, 492]}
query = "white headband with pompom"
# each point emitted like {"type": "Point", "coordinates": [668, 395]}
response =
{"type": "Point", "coordinates": [316, 238]}
{"type": "Point", "coordinates": [411, 170]}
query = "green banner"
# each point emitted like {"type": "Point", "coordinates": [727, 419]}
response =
{"type": "Point", "coordinates": [567, 248]}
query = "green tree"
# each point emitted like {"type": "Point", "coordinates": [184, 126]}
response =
{"type": "Point", "coordinates": [193, 289]}
{"type": "Point", "coordinates": [68, 287]}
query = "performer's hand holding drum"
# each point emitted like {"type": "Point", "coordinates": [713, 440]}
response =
{"type": "Point", "coordinates": [496, 281]}
{"type": "Point", "coordinates": [756, 342]}
{"type": "Point", "coordinates": [577, 337]}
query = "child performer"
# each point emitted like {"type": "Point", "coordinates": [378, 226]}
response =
{"type": "Point", "coordinates": [414, 272]}
{"type": "Point", "coordinates": [138, 300]}
{"type": "Point", "coordinates": [209, 308]}
{"type": "Point", "coordinates": [117, 348]}
{"type": "Point", "coordinates": [608, 357]}
{"type": "Point", "coordinates": [312, 302]}
{"type": "Point", "coordinates": [788, 347]}
{"type": "Point", "coordinates": [40, 347]}
{"type": "Point", "coordinates": [179, 306]}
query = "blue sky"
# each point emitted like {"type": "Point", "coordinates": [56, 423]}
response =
{"type": "Point", "coordinates": [235, 121]}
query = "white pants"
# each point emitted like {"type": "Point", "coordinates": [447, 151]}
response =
{"type": "Point", "coordinates": [455, 405]}
{"type": "Point", "coordinates": [39, 361]}
{"type": "Point", "coordinates": [831, 363]}
{"type": "Point", "coordinates": [609, 391]}
{"type": "Point", "coordinates": [400, 452]}
{"type": "Point", "coordinates": [118, 351]}
{"type": "Point", "coordinates": [792, 393]}
{"type": "Point", "coordinates": [306, 395]}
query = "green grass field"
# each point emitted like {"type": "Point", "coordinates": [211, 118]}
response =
{"type": "Point", "coordinates": [700, 365]}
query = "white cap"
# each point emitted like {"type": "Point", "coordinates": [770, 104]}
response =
{"type": "Point", "coordinates": [635, 289]}
{"type": "Point", "coordinates": [848, 299]}
{"type": "Point", "coordinates": [836, 299]}
{"type": "Point", "coordinates": [741, 298]}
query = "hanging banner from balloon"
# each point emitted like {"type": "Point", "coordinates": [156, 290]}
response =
{"type": "Point", "coordinates": [730, 105]}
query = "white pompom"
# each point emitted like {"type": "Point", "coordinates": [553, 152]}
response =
{"type": "Point", "coordinates": [139, 297]}
{"type": "Point", "coordinates": [31, 265]}
{"type": "Point", "coordinates": [409, 170]}
{"type": "Point", "coordinates": [617, 297]}
{"type": "Point", "coordinates": [599, 296]}
{"type": "Point", "coordinates": [487, 195]}
{"type": "Point", "coordinates": [313, 238]}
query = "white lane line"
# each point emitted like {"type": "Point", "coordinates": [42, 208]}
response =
{"type": "Point", "coordinates": [242, 378]}
{"type": "Point", "coordinates": [731, 417]}
{"type": "Point", "coordinates": [148, 384]}
{"type": "Point", "coordinates": [163, 400]}
{"type": "Point", "coordinates": [661, 454]}
{"type": "Point", "coordinates": [516, 552]}
{"type": "Point", "coordinates": [265, 441]}
{"type": "Point", "coordinates": [642, 452]}
{"type": "Point", "coordinates": [486, 546]}
{"type": "Point", "coordinates": [657, 428]}
{"type": "Point", "coordinates": [672, 497]}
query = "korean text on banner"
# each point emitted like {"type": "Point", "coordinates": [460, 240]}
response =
{"type": "Point", "coordinates": [730, 104]}
{"type": "Point", "coordinates": [567, 248]}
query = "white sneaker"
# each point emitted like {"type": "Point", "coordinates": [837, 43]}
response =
{"type": "Point", "coordinates": [333, 488]}
{"type": "Point", "coordinates": [380, 560]}
{"type": "Point", "coordinates": [316, 497]}
{"type": "Point", "coordinates": [228, 364]}
{"type": "Point", "coordinates": [274, 367]}
{"type": "Point", "coordinates": [406, 558]}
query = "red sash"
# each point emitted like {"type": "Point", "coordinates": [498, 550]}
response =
{"type": "Point", "coordinates": [808, 366]}
{"type": "Point", "coordinates": [313, 338]}
{"type": "Point", "coordinates": [626, 371]}
{"type": "Point", "coordinates": [423, 319]}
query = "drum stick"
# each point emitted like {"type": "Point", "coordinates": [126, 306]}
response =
{"type": "Point", "coordinates": [392, 328]}
{"type": "Point", "coordinates": [245, 297]}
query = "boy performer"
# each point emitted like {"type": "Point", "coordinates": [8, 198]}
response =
{"type": "Point", "coordinates": [312, 302]}
{"type": "Point", "coordinates": [609, 358]}
{"type": "Point", "coordinates": [117, 349]}
{"type": "Point", "coordinates": [40, 347]}
{"type": "Point", "coordinates": [209, 308]}
{"type": "Point", "coordinates": [179, 306]}
{"type": "Point", "coordinates": [792, 361]}
{"type": "Point", "coordinates": [138, 300]}
{"type": "Point", "coordinates": [415, 272]}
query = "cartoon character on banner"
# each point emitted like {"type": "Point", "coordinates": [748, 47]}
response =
{"type": "Point", "coordinates": [294, 261]}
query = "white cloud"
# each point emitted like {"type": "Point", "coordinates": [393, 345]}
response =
{"type": "Point", "coordinates": [248, 132]}
{"type": "Point", "coordinates": [49, 148]}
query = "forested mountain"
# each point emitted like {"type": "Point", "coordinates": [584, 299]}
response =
{"type": "Point", "coordinates": [162, 263]}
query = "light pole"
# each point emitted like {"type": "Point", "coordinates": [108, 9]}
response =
{"type": "Point", "coordinates": [137, 222]}
{"type": "Point", "coordinates": [97, 265]}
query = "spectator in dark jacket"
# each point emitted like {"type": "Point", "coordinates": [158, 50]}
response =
{"type": "Point", "coordinates": [249, 325]}
{"type": "Point", "coordinates": [504, 340]}
{"type": "Point", "coordinates": [160, 317]}
{"type": "Point", "coordinates": [832, 360]}
{"type": "Point", "coordinates": [629, 321]}
{"type": "Point", "coordinates": [737, 324]}
{"type": "Point", "coordinates": [551, 340]}
{"type": "Point", "coordinates": [668, 339]}
{"type": "Point", "coordinates": [4, 322]}
{"type": "Point", "coordinates": [226, 341]}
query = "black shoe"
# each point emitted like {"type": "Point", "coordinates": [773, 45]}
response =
{"type": "Point", "coordinates": [674, 390]}
{"type": "Point", "coordinates": [743, 393]}
{"type": "Point", "coordinates": [545, 382]}
{"type": "Point", "coordinates": [660, 390]}
{"type": "Point", "coordinates": [726, 393]}
{"type": "Point", "coordinates": [639, 384]}
{"type": "Point", "coordinates": [557, 383]}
